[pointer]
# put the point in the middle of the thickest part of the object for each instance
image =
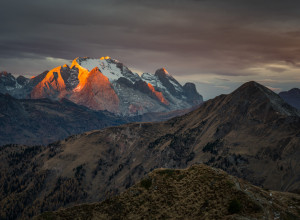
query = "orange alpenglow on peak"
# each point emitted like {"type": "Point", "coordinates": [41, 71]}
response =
{"type": "Point", "coordinates": [165, 70]}
{"type": "Point", "coordinates": [96, 92]}
{"type": "Point", "coordinates": [83, 79]}
{"type": "Point", "coordinates": [96, 69]}
{"type": "Point", "coordinates": [159, 95]}
{"type": "Point", "coordinates": [105, 58]}
{"type": "Point", "coordinates": [82, 74]}
{"type": "Point", "coordinates": [49, 86]}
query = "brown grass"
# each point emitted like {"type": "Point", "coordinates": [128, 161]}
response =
{"type": "Point", "coordinates": [200, 192]}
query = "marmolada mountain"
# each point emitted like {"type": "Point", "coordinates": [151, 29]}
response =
{"type": "Point", "coordinates": [79, 142]}
{"type": "Point", "coordinates": [106, 84]}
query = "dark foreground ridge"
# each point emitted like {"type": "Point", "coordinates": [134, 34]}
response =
{"type": "Point", "coordinates": [199, 192]}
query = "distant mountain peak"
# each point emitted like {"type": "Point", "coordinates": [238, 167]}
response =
{"type": "Point", "coordinates": [4, 73]}
{"type": "Point", "coordinates": [292, 97]}
{"type": "Point", "coordinates": [254, 97]}
{"type": "Point", "coordinates": [251, 84]}
{"type": "Point", "coordinates": [52, 85]}
{"type": "Point", "coordinates": [293, 91]}
{"type": "Point", "coordinates": [162, 71]}
{"type": "Point", "coordinates": [254, 89]}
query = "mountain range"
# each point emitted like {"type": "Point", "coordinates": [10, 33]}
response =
{"type": "Point", "coordinates": [105, 84]}
{"type": "Point", "coordinates": [251, 133]}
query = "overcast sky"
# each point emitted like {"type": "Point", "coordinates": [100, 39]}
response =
{"type": "Point", "coordinates": [216, 44]}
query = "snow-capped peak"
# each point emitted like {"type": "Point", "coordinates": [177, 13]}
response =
{"type": "Point", "coordinates": [165, 71]}
{"type": "Point", "coordinates": [111, 68]}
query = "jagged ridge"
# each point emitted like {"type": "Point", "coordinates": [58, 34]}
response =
{"type": "Point", "coordinates": [163, 92]}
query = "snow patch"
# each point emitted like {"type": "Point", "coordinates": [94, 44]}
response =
{"type": "Point", "coordinates": [153, 80]}
{"type": "Point", "coordinates": [109, 67]}
{"type": "Point", "coordinates": [9, 88]}
{"type": "Point", "coordinates": [18, 86]}
{"type": "Point", "coordinates": [176, 85]}
{"type": "Point", "coordinates": [111, 71]}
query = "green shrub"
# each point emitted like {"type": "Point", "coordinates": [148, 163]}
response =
{"type": "Point", "coordinates": [230, 184]}
{"type": "Point", "coordinates": [146, 183]}
{"type": "Point", "coordinates": [212, 147]}
{"type": "Point", "coordinates": [235, 206]}
{"type": "Point", "coordinates": [167, 172]}
{"type": "Point", "coordinates": [48, 216]}
{"type": "Point", "coordinates": [180, 177]}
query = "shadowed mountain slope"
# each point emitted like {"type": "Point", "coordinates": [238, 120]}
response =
{"type": "Point", "coordinates": [251, 133]}
{"type": "Point", "coordinates": [44, 121]}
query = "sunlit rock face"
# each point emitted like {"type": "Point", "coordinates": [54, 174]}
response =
{"type": "Point", "coordinates": [96, 92]}
{"type": "Point", "coordinates": [52, 86]}
{"type": "Point", "coordinates": [106, 84]}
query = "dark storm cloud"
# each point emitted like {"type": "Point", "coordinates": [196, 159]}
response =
{"type": "Point", "coordinates": [187, 36]}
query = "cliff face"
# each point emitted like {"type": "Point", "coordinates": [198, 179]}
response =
{"type": "Point", "coordinates": [52, 86]}
{"type": "Point", "coordinates": [96, 92]}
